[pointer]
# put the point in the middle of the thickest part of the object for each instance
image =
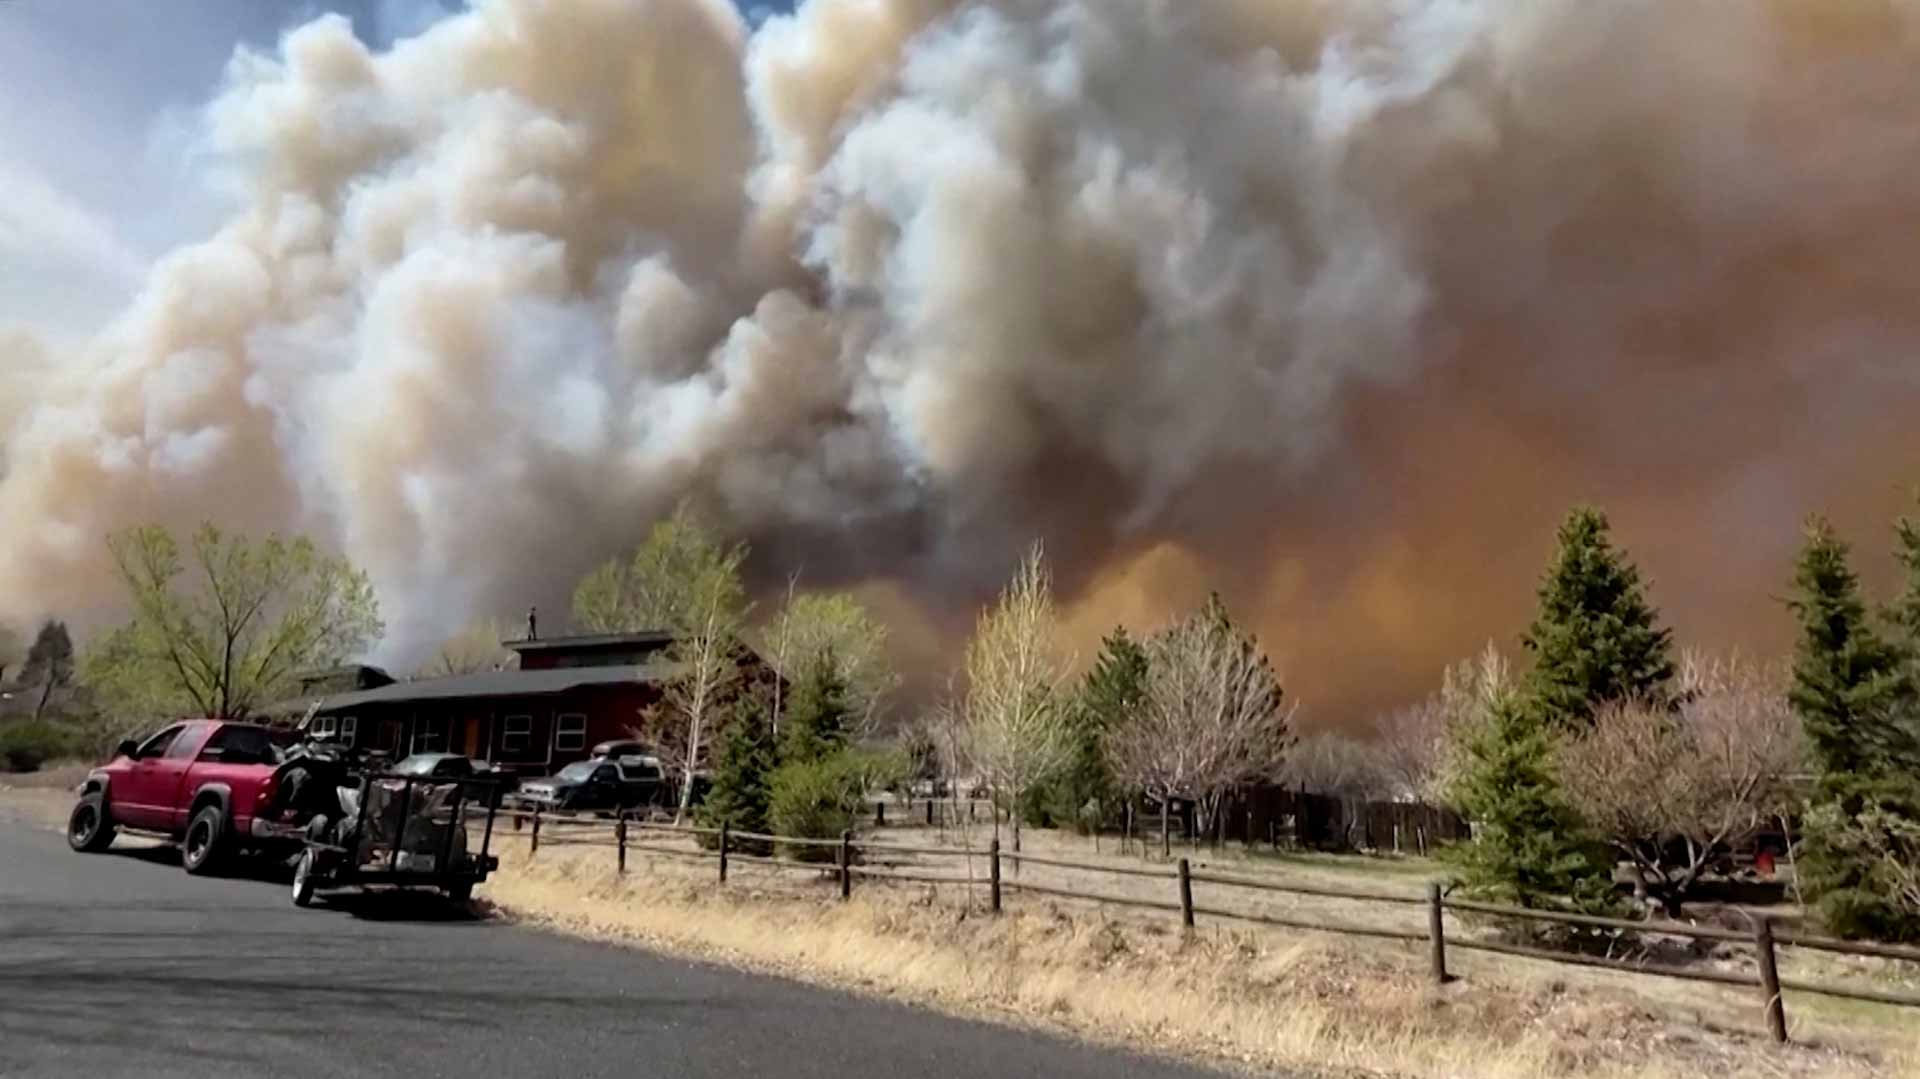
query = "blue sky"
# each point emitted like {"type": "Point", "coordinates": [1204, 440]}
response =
{"type": "Point", "coordinates": [95, 141]}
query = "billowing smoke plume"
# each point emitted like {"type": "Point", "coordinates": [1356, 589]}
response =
{"type": "Point", "coordinates": [1334, 306]}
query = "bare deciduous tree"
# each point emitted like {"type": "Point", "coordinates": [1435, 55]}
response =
{"type": "Point", "coordinates": [1212, 717]}
{"type": "Point", "coordinates": [475, 648]}
{"type": "Point", "coordinates": [1332, 763]}
{"type": "Point", "coordinates": [1409, 745]}
{"type": "Point", "coordinates": [1015, 726]}
{"type": "Point", "coordinates": [1669, 788]}
{"type": "Point", "coordinates": [1468, 693]}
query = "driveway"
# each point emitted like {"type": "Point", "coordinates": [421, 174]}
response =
{"type": "Point", "coordinates": [120, 964]}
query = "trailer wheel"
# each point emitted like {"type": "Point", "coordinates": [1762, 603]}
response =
{"type": "Point", "coordinates": [303, 882]}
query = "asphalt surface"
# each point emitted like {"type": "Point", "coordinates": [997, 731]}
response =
{"type": "Point", "coordinates": [120, 964]}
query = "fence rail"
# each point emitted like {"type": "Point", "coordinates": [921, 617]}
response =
{"type": "Point", "coordinates": [1763, 938]}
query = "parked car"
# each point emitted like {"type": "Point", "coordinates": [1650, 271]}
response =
{"type": "Point", "coordinates": [596, 784]}
{"type": "Point", "coordinates": [618, 748]}
{"type": "Point", "coordinates": [205, 784]}
{"type": "Point", "coordinates": [455, 766]}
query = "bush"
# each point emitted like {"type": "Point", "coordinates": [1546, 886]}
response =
{"type": "Point", "coordinates": [821, 799]}
{"type": "Point", "coordinates": [24, 747]}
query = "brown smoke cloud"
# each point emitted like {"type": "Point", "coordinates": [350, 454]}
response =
{"type": "Point", "coordinates": [1332, 306]}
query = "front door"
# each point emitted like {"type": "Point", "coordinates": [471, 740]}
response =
{"type": "Point", "coordinates": [143, 797]}
{"type": "Point", "coordinates": [473, 738]}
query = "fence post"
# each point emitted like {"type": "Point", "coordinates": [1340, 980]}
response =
{"type": "Point", "coordinates": [1249, 829]}
{"type": "Point", "coordinates": [1770, 978]}
{"type": "Point", "coordinates": [724, 837]}
{"type": "Point", "coordinates": [533, 844]}
{"type": "Point", "coordinates": [1186, 895]}
{"type": "Point", "coordinates": [993, 873]}
{"type": "Point", "coordinates": [620, 837]}
{"type": "Point", "coordinates": [1437, 934]}
{"type": "Point", "coordinates": [846, 864]}
{"type": "Point", "coordinates": [879, 814]}
{"type": "Point", "coordinates": [929, 812]}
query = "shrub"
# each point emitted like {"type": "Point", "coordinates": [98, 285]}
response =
{"type": "Point", "coordinates": [814, 800]}
{"type": "Point", "coordinates": [24, 747]}
{"type": "Point", "coordinates": [821, 799]}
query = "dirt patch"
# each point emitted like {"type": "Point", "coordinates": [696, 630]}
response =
{"type": "Point", "coordinates": [1305, 1002]}
{"type": "Point", "coordinates": [42, 798]}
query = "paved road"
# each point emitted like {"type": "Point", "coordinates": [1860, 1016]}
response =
{"type": "Point", "coordinates": [122, 965]}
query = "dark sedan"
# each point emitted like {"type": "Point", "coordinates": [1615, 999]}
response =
{"type": "Point", "coordinates": [454, 766]}
{"type": "Point", "coordinates": [595, 785]}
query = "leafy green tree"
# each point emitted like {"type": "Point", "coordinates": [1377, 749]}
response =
{"type": "Point", "coordinates": [1596, 639]}
{"type": "Point", "coordinates": [1852, 689]}
{"type": "Point", "coordinates": [819, 720]}
{"type": "Point", "coordinates": [1529, 847]}
{"type": "Point", "coordinates": [664, 584]}
{"type": "Point", "coordinates": [836, 624]}
{"type": "Point", "coordinates": [742, 772]}
{"type": "Point", "coordinates": [683, 579]}
{"type": "Point", "coordinates": [220, 629]}
{"type": "Point", "coordinates": [1081, 790]}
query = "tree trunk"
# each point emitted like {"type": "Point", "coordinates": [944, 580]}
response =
{"type": "Point", "coordinates": [1165, 825]}
{"type": "Point", "coordinates": [46, 692]}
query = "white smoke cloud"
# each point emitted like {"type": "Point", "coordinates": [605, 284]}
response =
{"type": "Point", "coordinates": [894, 285]}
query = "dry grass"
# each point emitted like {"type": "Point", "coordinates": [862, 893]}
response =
{"type": "Point", "coordinates": [1264, 998]}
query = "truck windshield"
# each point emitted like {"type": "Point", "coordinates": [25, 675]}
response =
{"type": "Point", "coordinates": [416, 765]}
{"type": "Point", "coordinates": [577, 772]}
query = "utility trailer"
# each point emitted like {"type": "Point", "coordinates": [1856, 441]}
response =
{"type": "Point", "coordinates": [399, 831]}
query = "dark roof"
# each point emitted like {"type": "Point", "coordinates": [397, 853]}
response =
{"type": "Point", "coordinates": [351, 676]}
{"type": "Point", "coordinates": [593, 640]}
{"type": "Point", "coordinates": [493, 684]}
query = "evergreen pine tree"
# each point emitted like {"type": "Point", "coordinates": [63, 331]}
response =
{"type": "Point", "coordinates": [819, 719]}
{"type": "Point", "coordinates": [1596, 638]}
{"type": "Point", "coordinates": [1108, 692]}
{"type": "Point", "coordinates": [1528, 847]}
{"type": "Point", "coordinates": [742, 773]}
{"type": "Point", "coordinates": [1852, 690]}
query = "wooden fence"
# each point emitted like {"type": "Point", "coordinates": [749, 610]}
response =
{"type": "Point", "coordinates": [848, 859]}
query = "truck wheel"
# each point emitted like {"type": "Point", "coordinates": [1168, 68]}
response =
{"type": "Point", "coordinates": [303, 883]}
{"type": "Point", "coordinates": [199, 853]}
{"type": "Point", "coordinates": [89, 828]}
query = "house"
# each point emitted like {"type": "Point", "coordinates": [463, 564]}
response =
{"type": "Point", "coordinates": [567, 694]}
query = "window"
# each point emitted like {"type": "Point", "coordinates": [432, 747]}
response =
{"type": "Point", "coordinates": [323, 727]}
{"type": "Point", "coordinates": [430, 736]}
{"type": "Point", "coordinates": [606, 773]}
{"type": "Point", "coordinates": [241, 745]}
{"type": "Point", "coordinates": [518, 730]}
{"type": "Point", "coordinates": [191, 735]}
{"type": "Point", "coordinates": [158, 744]}
{"type": "Point", "coordinates": [570, 731]}
{"type": "Point", "coordinates": [349, 726]}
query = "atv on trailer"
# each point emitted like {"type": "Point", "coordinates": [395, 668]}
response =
{"type": "Point", "coordinates": [399, 831]}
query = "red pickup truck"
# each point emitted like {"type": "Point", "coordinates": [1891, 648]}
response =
{"type": "Point", "coordinates": [199, 783]}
